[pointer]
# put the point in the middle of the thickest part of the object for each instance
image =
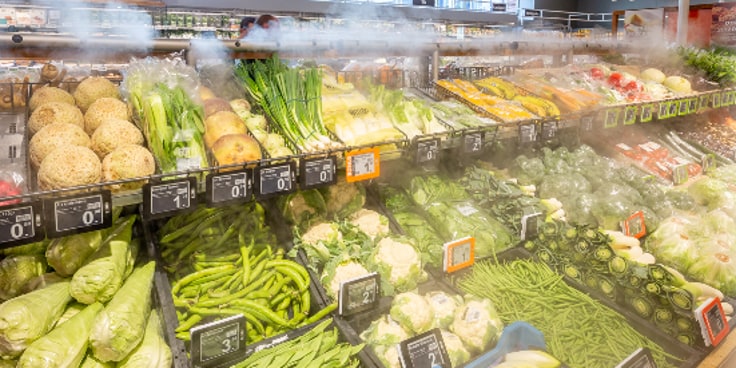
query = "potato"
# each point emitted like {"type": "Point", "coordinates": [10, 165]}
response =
{"type": "Point", "coordinates": [215, 105]}
{"type": "Point", "coordinates": [220, 124]}
{"type": "Point", "coordinates": [236, 148]}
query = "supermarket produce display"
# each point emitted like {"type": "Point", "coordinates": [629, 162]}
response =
{"type": "Point", "coordinates": [590, 206]}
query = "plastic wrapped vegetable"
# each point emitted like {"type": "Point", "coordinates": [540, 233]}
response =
{"type": "Point", "coordinates": [399, 264]}
{"type": "Point", "coordinates": [65, 345]}
{"type": "Point", "coordinates": [101, 277]}
{"type": "Point", "coordinates": [26, 318]}
{"type": "Point", "coordinates": [477, 323]}
{"type": "Point", "coordinates": [343, 199]}
{"type": "Point", "coordinates": [455, 348]}
{"type": "Point", "coordinates": [715, 265]}
{"type": "Point", "coordinates": [708, 192]}
{"type": "Point", "coordinates": [120, 326]}
{"type": "Point", "coordinates": [66, 255]}
{"type": "Point", "coordinates": [152, 352]}
{"type": "Point", "coordinates": [418, 229]}
{"type": "Point", "coordinates": [528, 170]}
{"type": "Point", "coordinates": [443, 308]}
{"type": "Point", "coordinates": [412, 312]}
{"type": "Point", "coordinates": [16, 271]}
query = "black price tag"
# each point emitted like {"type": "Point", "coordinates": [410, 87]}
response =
{"type": "Point", "coordinates": [703, 102]}
{"type": "Point", "coordinates": [647, 113]}
{"type": "Point", "coordinates": [674, 108]}
{"type": "Point", "coordinates": [630, 115]}
{"type": "Point", "coordinates": [586, 123]}
{"type": "Point", "coordinates": [549, 130]}
{"type": "Point", "coordinates": [276, 179]}
{"type": "Point", "coordinates": [428, 152]}
{"type": "Point", "coordinates": [684, 107]}
{"type": "Point", "coordinates": [680, 174]}
{"type": "Point", "coordinates": [715, 100]}
{"type": "Point", "coordinates": [530, 221]}
{"type": "Point", "coordinates": [20, 224]}
{"type": "Point", "coordinates": [664, 108]}
{"type": "Point", "coordinates": [168, 198]}
{"type": "Point", "coordinates": [727, 98]}
{"type": "Point", "coordinates": [76, 214]}
{"type": "Point", "coordinates": [708, 162]}
{"type": "Point", "coordinates": [499, 7]}
{"type": "Point", "coordinates": [359, 294]}
{"type": "Point", "coordinates": [426, 350]}
{"type": "Point", "coordinates": [611, 120]}
{"type": "Point", "coordinates": [692, 105]}
{"type": "Point", "coordinates": [228, 188]}
{"type": "Point", "coordinates": [219, 343]}
{"type": "Point", "coordinates": [527, 133]}
{"type": "Point", "coordinates": [641, 358]}
{"type": "Point", "coordinates": [473, 143]}
{"type": "Point", "coordinates": [318, 172]}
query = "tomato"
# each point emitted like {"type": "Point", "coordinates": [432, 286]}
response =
{"type": "Point", "coordinates": [6, 187]}
{"type": "Point", "coordinates": [633, 86]}
{"type": "Point", "coordinates": [615, 79]}
{"type": "Point", "coordinates": [597, 73]}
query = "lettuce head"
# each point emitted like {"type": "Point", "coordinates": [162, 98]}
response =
{"type": "Point", "coordinates": [16, 271]}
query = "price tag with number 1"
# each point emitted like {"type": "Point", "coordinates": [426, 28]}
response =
{"type": "Point", "coordinates": [458, 254]}
{"type": "Point", "coordinates": [169, 197]}
{"type": "Point", "coordinates": [362, 164]}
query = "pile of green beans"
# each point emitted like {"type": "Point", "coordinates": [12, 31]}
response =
{"type": "Point", "coordinates": [578, 330]}
{"type": "Point", "coordinates": [317, 348]}
{"type": "Point", "coordinates": [227, 266]}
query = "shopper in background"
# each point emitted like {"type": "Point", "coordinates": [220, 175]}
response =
{"type": "Point", "coordinates": [246, 24]}
{"type": "Point", "coordinates": [267, 27]}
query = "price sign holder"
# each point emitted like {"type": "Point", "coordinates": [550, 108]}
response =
{"type": "Point", "coordinates": [647, 113]}
{"type": "Point", "coordinates": [692, 105]}
{"type": "Point", "coordinates": [664, 110]}
{"type": "Point", "coordinates": [713, 323]}
{"type": "Point", "coordinates": [21, 224]}
{"type": "Point", "coordinates": [169, 197]}
{"type": "Point", "coordinates": [680, 174]}
{"type": "Point", "coordinates": [428, 152]}
{"type": "Point", "coordinates": [362, 164]}
{"type": "Point", "coordinates": [426, 350]}
{"type": "Point", "coordinates": [271, 180]}
{"type": "Point", "coordinates": [674, 108]}
{"type": "Point", "coordinates": [586, 123]}
{"type": "Point", "coordinates": [530, 220]}
{"type": "Point", "coordinates": [708, 162]}
{"type": "Point", "coordinates": [359, 294]}
{"type": "Point", "coordinates": [527, 133]}
{"type": "Point", "coordinates": [218, 344]}
{"type": "Point", "coordinates": [229, 187]}
{"type": "Point", "coordinates": [715, 100]}
{"type": "Point", "coordinates": [317, 172]}
{"type": "Point", "coordinates": [641, 358]}
{"type": "Point", "coordinates": [472, 144]}
{"type": "Point", "coordinates": [703, 102]}
{"type": "Point", "coordinates": [611, 118]}
{"type": "Point", "coordinates": [630, 114]}
{"type": "Point", "coordinates": [458, 254]}
{"type": "Point", "coordinates": [549, 129]}
{"type": "Point", "coordinates": [684, 108]}
{"type": "Point", "coordinates": [78, 213]}
{"type": "Point", "coordinates": [634, 225]}
{"type": "Point", "coordinates": [726, 98]}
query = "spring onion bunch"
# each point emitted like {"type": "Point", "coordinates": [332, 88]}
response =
{"type": "Point", "coordinates": [291, 98]}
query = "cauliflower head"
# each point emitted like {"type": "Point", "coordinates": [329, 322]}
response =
{"type": "Point", "coordinates": [384, 331]}
{"type": "Point", "coordinates": [343, 198]}
{"type": "Point", "coordinates": [399, 264]}
{"type": "Point", "coordinates": [455, 348]}
{"type": "Point", "coordinates": [477, 324]}
{"type": "Point", "coordinates": [335, 273]}
{"type": "Point", "coordinates": [388, 355]}
{"type": "Point", "coordinates": [318, 237]}
{"type": "Point", "coordinates": [412, 311]}
{"type": "Point", "coordinates": [370, 222]}
{"type": "Point", "coordinates": [443, 308]}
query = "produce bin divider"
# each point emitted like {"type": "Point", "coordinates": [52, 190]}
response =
{"type": "Point", "coordinates": [691, 356]}
{"type": "Point", "coordinates": [169, 321]}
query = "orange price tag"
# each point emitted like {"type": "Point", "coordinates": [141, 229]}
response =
{"type": "Point", "coordinates": [458, 254]}
{"type": "Point", "coordinates": [362, 164]}
{"type": "Point", "coordinates": [634, 225]}
{"type": "Point", "coordinates": [713, 323]}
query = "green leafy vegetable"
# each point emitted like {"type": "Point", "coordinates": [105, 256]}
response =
{"type": "Point", "coordinates": [66, 255]}
{"type": "Point", "coordinates": [16, 271]}
{"type": "Point", "coordinates": [152, 352]}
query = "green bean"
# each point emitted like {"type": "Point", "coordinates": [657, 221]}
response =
{"type": "Point", "coordinates": [196, 275]}
{"type": "Point", "coordinates": [188, 323]}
